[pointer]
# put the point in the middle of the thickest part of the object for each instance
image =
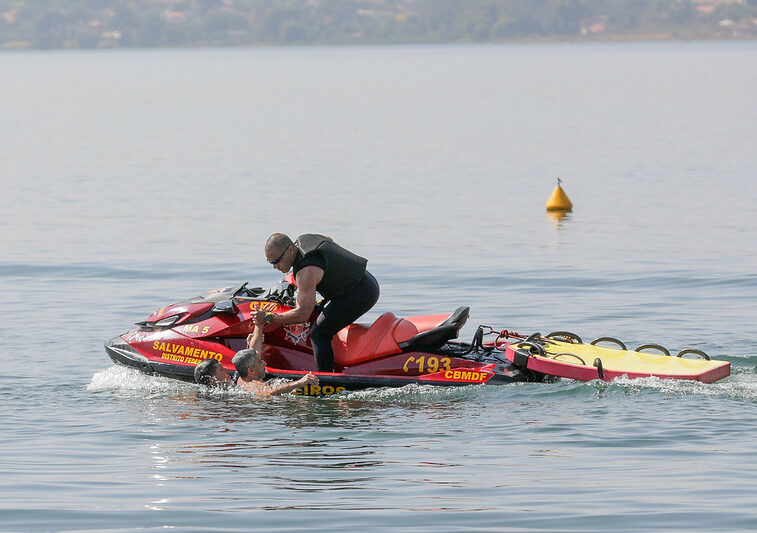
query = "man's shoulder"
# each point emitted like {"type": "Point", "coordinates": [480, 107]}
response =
{"type": "Point", "coordinates": [256, 386]}
{"type": "Point", "coordinates": [309, 275]}
{"type": "Point", "coordinates": [314, 259]}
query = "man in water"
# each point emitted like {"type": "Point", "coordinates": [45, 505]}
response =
{"type": "Point", "coordinates": [211, 373]}
{"type": "Point", "coordinates": [337, 274]}
{"type": "Point", "coordinates": [250, 370]}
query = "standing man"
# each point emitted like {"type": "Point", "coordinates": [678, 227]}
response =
{"type": "Point", "coordinates": [337, 274]}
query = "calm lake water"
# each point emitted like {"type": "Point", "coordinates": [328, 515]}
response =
{"type": "Point", "coordinates": [132, 179]}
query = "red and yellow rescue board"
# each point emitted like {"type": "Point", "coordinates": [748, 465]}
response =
{"type": "Point", "coordinates": [586, 362]}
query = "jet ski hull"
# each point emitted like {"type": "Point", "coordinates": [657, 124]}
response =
{"type": "Point", "coordinates": [121, 352]}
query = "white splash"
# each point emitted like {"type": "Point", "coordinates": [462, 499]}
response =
{"type": "Point", "coordinates": [741, 385]}
{"type": "Point", "coordinates": [121, 378]}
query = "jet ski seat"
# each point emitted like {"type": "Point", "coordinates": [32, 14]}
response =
{"type": "Point", "coordinates": [434, 338]}
{"type": "Point", "coordinates": [359, 342]}
{"type": "Point", "coordinates": [390, 335]}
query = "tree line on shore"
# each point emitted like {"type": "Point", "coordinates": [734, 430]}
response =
{"type": "Point", "coordinates": [152, 23]}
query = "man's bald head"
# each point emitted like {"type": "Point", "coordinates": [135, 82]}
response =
{"type": "Point", "coordinates": [277, 242]}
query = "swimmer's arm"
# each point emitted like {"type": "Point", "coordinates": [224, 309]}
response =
{"type": "Point", "coordinates": [262, 389]}
{"type": "Point", "coordinates": [255, 339]}
{"type": "Point", "coordinates": [307, 379]}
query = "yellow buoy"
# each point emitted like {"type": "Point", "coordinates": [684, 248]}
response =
{"type": "Point", "coordinates": [559, 201]}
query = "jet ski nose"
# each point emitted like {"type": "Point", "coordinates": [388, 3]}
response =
{"type": "Point", "coordinates": [120, 352]}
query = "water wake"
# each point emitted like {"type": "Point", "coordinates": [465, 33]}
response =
{"type": "Point", "coordinates": [741, 385]}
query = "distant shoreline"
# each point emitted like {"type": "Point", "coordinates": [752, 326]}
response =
{"type": "Point", "coordinates": [130, 24]}
{"type": "Point", "coordinates": [25, 46]}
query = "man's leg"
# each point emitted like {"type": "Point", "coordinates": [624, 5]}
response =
{"type": "Point", "coordinates": [337, 314]}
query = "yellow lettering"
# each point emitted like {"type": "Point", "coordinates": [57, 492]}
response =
{"type": "Point", "coordinates": [156, 344]}
{"type": "Point", "coordinates": [340, 389]}
{"type": "Point", "coordinates": [465, 375]}
{"type": "Point", "coordinates": [205, 329]}
{"type": "Point", "coordinates": [327, 389]}
{"type": "Point", "coordinates": [446, 361]}
{"type": "Point", "coordinates": [433, 364]}
{"type": "Point", "coordinates": [448, 374]}
{"type": "Point", "coordinates": [420, 360]}
{"type": "Point", "coordinates": [407, 362]}
{"type": "Point", "coordinates": [456, 374]}
{"type": "Point", "coordinates": [263, 306]}
{"type": "Point", "coordinates": [315, 389]}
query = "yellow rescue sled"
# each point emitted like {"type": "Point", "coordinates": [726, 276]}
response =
{"type": "Point", "coordinates": [563, 354]}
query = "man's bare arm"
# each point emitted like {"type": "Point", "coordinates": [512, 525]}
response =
{"type": "Point", "coordinates": [307, 379]}
{"type": "Point", "coordinates": [307, 279]}
{"type": "Point", "coordinates": [255, 339]}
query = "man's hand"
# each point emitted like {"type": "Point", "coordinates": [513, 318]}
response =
{"type": "Point", "coordinates": [258, 317]}
{"type": "Point", "coordinates": [308, 379]}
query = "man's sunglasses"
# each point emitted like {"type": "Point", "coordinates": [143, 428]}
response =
{"type": "Point", "coordinates": [278, 259]}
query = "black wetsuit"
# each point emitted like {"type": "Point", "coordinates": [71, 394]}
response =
{"type": "Point", "coordinates": [349, 288]}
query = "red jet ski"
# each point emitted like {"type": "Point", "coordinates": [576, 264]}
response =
{"type": "Point", "coordinates": [391, 352]}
